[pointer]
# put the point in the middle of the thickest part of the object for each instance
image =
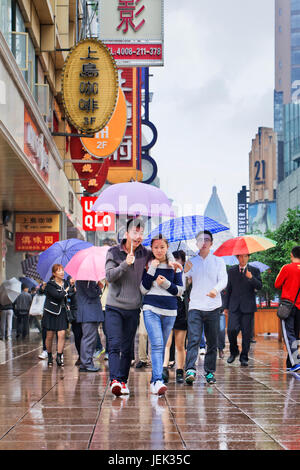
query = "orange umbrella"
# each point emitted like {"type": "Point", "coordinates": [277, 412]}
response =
{"type": "Point", "coordinates": [244, 245]}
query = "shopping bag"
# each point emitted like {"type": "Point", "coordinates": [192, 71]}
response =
{"type": "Point", "coordinates": [37, 305]}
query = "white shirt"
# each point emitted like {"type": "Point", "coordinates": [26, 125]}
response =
{"type": "Point", "coordinates": [207, 274]}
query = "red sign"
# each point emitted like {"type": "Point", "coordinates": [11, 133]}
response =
{"type": "Point", "coordinates": [93, 173]}
{"type": "Point", "coordinates": [96, 221]}
{"type": "Point", "coordinates": [26, 241]}
{"type": "Point", "coordinates": [137, 52]}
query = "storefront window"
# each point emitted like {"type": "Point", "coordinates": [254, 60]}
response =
{"type": "Point", "coordinates": [6, 20]}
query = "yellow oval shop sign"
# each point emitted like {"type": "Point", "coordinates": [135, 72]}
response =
{"type": "Point", "coordinates": [89, 86]}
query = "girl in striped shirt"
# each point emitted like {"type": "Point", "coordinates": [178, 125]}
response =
{"type": "Point", "coordinates": [160, 286]}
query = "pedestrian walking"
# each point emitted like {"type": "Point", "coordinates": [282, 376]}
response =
{"type": "Point", "coordinates": [89, 314]}
{"type": "Point", "coordinates": [76, 327]}
{"type": "Point", "coordinates": [7, 312]}
{"type": "Point", "coordinates": [44, 354]}
{"type": "Point", "coordinates": [124, 270]}
{"type": "Point", "coordinates": [22, 306]}
{"type": "Point", "coordinates": [222, 326]}
{"type": "Point", "coordinates": [240, 304]}
{"type": "Point", "coordinates": [55, 313]}
{"type": "Point", "coordinates": [209, 278]}
{"type": "Point", "coordinates": [288, 280]}
{"type": "Point", "coordinates": [160, 286]}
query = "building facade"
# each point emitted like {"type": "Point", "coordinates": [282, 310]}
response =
{"type": "Point", "coordinates": [262, 182]}
{"type": "Point", "coordinates": [39, 194]}
{"type": "Point", "coordinates": [287, 103]}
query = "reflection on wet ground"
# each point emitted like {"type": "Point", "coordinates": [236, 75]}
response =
{"type": "Point", "coordinates": [248, 408]}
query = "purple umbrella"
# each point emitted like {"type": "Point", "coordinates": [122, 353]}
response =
{"type": "Point", "coordinates": [134, 199]}
{"type": "Point", "coordinates": [59, 253]}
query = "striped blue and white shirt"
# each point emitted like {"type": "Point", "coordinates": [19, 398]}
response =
{"type": "Point", "coordinates": [161, 299]}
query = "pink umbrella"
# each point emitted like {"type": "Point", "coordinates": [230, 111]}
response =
{"type": "Point", "coordinates": [134, 199]}
{"type": "Point", "coordinates": [88, 264]}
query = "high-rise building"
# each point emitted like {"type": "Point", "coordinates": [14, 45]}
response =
{"type": "Point", "coordinates": [287, 104]}
{"type": "Point", "coordinates": [262, 182]}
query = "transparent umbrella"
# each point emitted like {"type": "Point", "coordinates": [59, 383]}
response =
{"type": "Point", "coordinates": [9, 291]}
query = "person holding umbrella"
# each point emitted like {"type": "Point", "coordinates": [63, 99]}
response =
{"type": "Point", "coordinates": [288, 280]}
{"type": "Point", "coordinates": [243, 282]}
{"type": "Point", "coordinates": [209, 278]}
{"type": "Point", "coordinates": [55, 312]}
{"type": "Point", "coordinates": [124, 270]}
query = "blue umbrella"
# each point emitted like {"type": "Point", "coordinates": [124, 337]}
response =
{"type": "Point", "coordinates": [261, 266]}
{"type": "Point", "coordinates": [185, 228]}
{"type": "Point", "coordinates": [59, 253]}
{"type": "Point", "coordinates": [232, 260]}
{"type": "Point", "coordinates": [28, 282]}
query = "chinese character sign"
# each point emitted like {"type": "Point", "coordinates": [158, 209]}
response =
{"type": "Point", "coordinates": [133, 31]}
{"type": "Point", "coordinates": [36, 232]}
{"type": "Point", "coordinates": [125, 163]}
{"type": "Point", "coordinates": [89, 86]}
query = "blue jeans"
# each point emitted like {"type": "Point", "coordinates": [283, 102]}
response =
{"type": "Point", "coordinates": [158, 328]}
{"type": "Point", "coordinates": [197, 321]}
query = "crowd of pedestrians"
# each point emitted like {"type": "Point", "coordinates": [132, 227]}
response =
{"type": "Point", "coordinates": [177, 305]}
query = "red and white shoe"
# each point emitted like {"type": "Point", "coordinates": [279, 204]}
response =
{"type": "Point", "coordinates": [124, 389]}
{"type": "Point", "coordinates": [158, 388]}
{"type": "Point", "coordinates": [116, 388]}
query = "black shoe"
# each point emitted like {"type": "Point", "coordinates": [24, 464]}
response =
{"type": "Point", "coordinates": [59, 360]}
{"type": "Point", "coordinates": [78, 362]}
{"type": "Point", "coordinates": [231, 358]}
{"type": "Point", "coordinates": [140, 364]}
{"type": "Point", "coordinates": [221, 354]}
{"type": "Point", "coordinates": [165, 375]}
{"type": "Point", "coordinates": [244, 363]}
{"type": "Point", "coordinates": [179, 376]}
{"type": "Point", "coordinates": [50, 359]}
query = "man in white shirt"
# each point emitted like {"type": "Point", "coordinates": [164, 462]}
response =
{"type": "Point", "coordinates": [209, 278]}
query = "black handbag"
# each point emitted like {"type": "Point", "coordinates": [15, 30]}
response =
{"type": "Point", "coordinates": [285, 307]}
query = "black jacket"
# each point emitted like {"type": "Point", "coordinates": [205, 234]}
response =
{"type": "Point", "coordinates": [241, 291]}
{"type": "Point", "coordinates": [55, 297]}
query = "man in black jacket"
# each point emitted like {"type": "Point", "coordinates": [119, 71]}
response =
{"type": "Point", "coordinates": [243, 282]}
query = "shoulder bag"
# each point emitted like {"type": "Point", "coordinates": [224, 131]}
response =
{"type": "Point", "coordinates": [285, 307]}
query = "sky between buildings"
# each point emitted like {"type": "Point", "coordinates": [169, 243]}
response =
{"type": "Point", "coordinates": [213, 93]}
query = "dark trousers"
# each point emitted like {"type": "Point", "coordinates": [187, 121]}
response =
{"type": "Point", "coordinates": [120, 326]}
{"type": "Point", "coordinates": [291, 330]}
{"type": "Point", "coordinates": [239, 321]}
{"type": "Point", "coordinates": [23, 325]}
{"type": "Point", "coordinates": [197, 321]}
{"type": "Point", "coordinates": [222, 326]}
{"type": "Point", "coordinates": [77, 332]}
{"type": "Point", "coordinates": [88, 343]}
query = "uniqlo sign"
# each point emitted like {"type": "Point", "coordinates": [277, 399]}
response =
{"type": "Point", "coordinates": [133, 31]}
{"type": "Point", "coordinates": [96, 221]}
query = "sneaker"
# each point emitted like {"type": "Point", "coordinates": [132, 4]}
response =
{"type": "Point", "coordinates": [158, 388]}
{"type": "Point", "coordinates": [165, 375]}
{"type": "Point", "coordinates": [116, 388]}
{"type": "Point", "coordinates": [190, 376]}
{"type": "Point", "coordinates": [124, 389]}
{"type": "Point", "coordinates": [43, 355]}
{"type": "Point", "coordinates": [98, 353]}
{"type": "Point", "coordinates": [179, 376]}
{"type": "Point", "coordinates": [210, 378]}
{"type": "Point", "coordinates": [202, 351]}
{"type": "Point", "coordinates": [295, 368]}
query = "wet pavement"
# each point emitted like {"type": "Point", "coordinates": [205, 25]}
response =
{"type": "Point", "coordinates": [254, 408]}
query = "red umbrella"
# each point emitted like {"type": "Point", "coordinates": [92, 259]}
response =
{"type": "Point", "coordinates": [244, 245]}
